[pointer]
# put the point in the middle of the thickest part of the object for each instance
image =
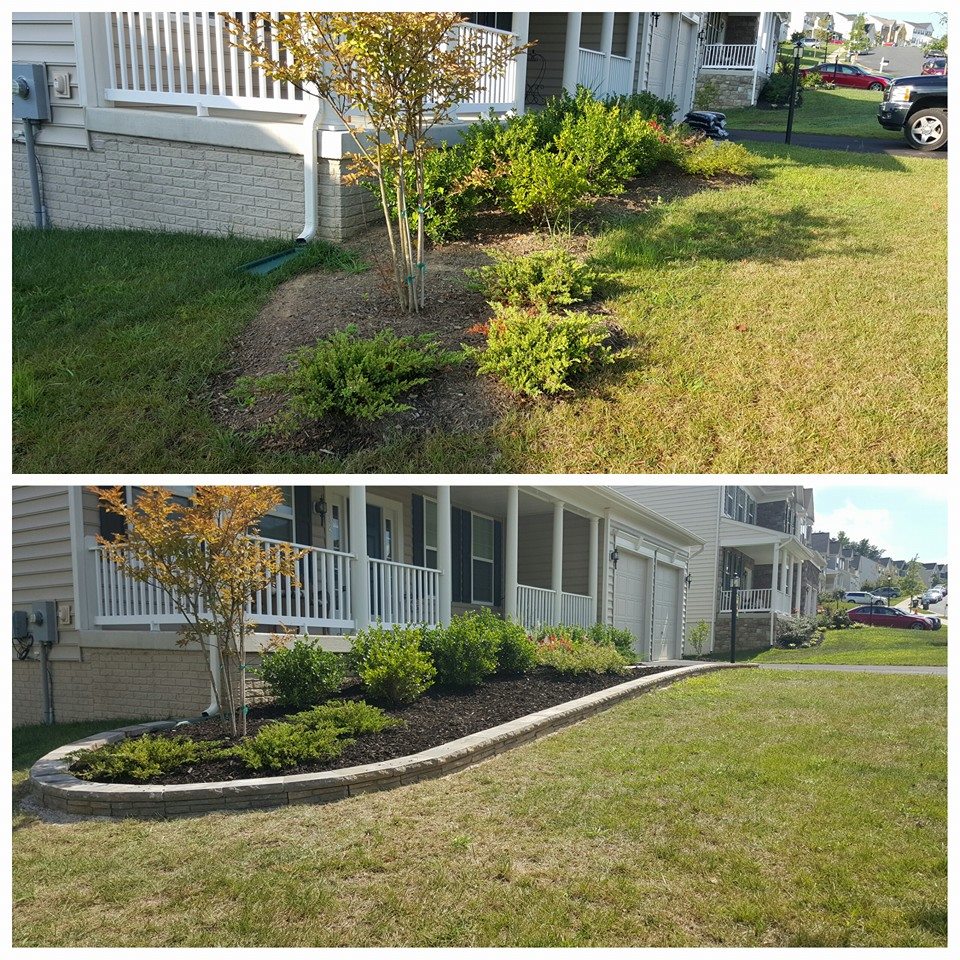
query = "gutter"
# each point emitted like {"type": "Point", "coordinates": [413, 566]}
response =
{"type": "Point", "coordinates": [310, 158]}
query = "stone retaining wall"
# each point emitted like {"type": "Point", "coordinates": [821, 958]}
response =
{"type": "Point", "coordinates": [58, 789]}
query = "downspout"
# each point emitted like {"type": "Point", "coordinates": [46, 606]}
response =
{"type": "Point", "coordinates": [310, 158]}
{"type": "Point", "coordinates": [214, 706]}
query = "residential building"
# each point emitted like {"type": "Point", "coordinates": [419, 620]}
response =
{"type": "Point", "coordinates": [918, 34]}
{"type": "Point", "coordinates": [739, 54]}
{"type": "Point", "coordinates": [541, 555]}
{"type": "Point", "coordinates": [156, 122]}
{"type": "Point", "coordinates": [758, 534]}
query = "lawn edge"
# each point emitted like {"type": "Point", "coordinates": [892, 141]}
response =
{"type": "Point", "coordinates": [57, 789]}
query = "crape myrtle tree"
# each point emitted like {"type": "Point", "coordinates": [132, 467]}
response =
{"type": "Point", "coordinates": [204, 557]}
{"type": "Point", "coordinates": [390, 79]}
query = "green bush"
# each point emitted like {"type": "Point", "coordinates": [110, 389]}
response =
{"type": "Point", "coordinates": [548, 278]}
{"type": "Point", "coordinates": [776, 91]}
{"type": "Point", "coordinates": [579, 657]}
{"type": "Point", "coordinates": [547, 188]}
{"type": "Point", "coordinates": [648, 106]}
{"type": "Point", "coordinates": [303, 674]}
{"type": "Point", "coordinates": [698, 637]}
{"type": "Point", "coordinates": [707, 157]}
{"type": "Point", "coordinates": [392, 663]}
{"type": "Point", "coordinates": [281, 745]}
{"type": "Point", "coordinates": [353, 717]}
{"type": "Point", "coordinates": [797, 632]}
{"type": "Point", "coordinates": [465, 652]}
{"type": "Point", "coordinates": [516, 652]}
{"type": "Point", "coordinates": [595, 142]}
{"type": "Point", "coordinates": [540, 352]}
{"type": "Point", "coordinates": [621, 640]}
{"type": "Point", "coordinates": [142, 758]}
{"type": "Point", "coordinates": [355, 376]}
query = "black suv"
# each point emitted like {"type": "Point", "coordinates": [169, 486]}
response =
{"type": "Point", "coordinates": [918, 107]}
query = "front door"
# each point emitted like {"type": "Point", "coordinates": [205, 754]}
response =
{"type": "Point", "coordinates": [374, 531]}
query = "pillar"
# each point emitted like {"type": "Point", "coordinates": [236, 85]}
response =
{"type": "Point", "coordinates": [511, 542]}
{"type": "Point", "coordinates": [571, 53]}
{"type": "Point", "coordinates": [606, 48]}
{"type": "Point", "coordinates": [444, 555]}
{"type": "Point", "coordinates": [521, 27]}
{"type": "Point", "coordinates": [593, 560]}
{"type": "Point", "coordinates": [360, 566]}
{"type": "Point", "coordinates": [556, 563]}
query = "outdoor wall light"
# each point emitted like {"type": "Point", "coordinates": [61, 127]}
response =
{"type": "Point", "coordinates": [655, 17]}
{"type": "Point", "coordinates": [320, 508]}
{"type": "Point", "coordinates": [614, 557]}
{"type": "Point", "coordinates": [688, 579]}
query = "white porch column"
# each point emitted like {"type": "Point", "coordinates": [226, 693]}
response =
{"type": "Point", "coordinates": [521, 27]}
{"type": "Point", "coordinates": [556, 563]}
{"type": "Point", "coordinates": [511, 542]}
{"type": "Point", "coordinates": [445, 555]}
{"type": "Point", "coordinates": [798, 586]}
{"type": "Point", "coordinates": [606, 48]}
{"type": "Point", "coordinates": [633, 28]}
{"type": "Point", "coordinates": [360, 568]}
{"type": "Point", "coordinates": [571, 53]}
{"type": "Point", "coordinates": [593, 559]}
{"type": "Point", "coordinates": [775, 578]}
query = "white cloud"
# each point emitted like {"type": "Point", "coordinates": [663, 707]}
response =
{"type": "Point", "coordinates": [876, 525]}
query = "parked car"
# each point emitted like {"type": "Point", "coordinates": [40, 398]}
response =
{"type": "Point", "coordinates": [933, 595]}
{"type": "Point", "coordinates": [860, 596]}
{"type": "Point", "coordinates": [848, 75]}
{"type": "Point", "coordinates": [888, 592]}
{"type": "Point", "coordinates": [810, 41]}
{"type": "Point", "coordinates": [918, 107]}
{"type": "Point", "coordinates": [883, 616]}
{"type": "Point", "coordinates": [934, 67]}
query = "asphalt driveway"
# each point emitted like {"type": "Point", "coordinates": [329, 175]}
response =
{"type": "Point", "coordinates": [822, 141]}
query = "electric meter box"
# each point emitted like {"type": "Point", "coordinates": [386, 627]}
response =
{"type": "Point", "coordinates": [43, 621]}
{"type": "Point", "coordinates": [31, 99]}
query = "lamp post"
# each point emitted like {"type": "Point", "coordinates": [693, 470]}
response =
{"type": "Point", "coordinates": [797, 51]}
{"type": "Point", "coordinates": [734, 597]}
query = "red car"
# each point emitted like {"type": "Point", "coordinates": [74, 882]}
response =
{"type": "Point", "coordinates": [876, 616]}
{"type": "Point", "coordinates": [934, 67]}
{"type": "Point", "coordinates": [847, 75]}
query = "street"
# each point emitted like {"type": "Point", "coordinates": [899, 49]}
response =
{"type": "Point", "coordinates": [904, 61]}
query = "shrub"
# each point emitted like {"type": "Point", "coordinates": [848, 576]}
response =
{"type": "Point", "coordinates": [353, 717]}
{"type": "Point", "coordinates": [303, 674]}
{"type": "Point", "coordinates": [142, 758]}
{"type": "Point", "coordinates": [699, 636]}
{"type": "Point", "coordinates": [392, 663]}
{"type": "Point", "coordinates": [707, 157]}
{"type": "Point", "coordinates": [548, 278]}
{"type": "Point", "coordinates": [465, 652]}
{"type": "Point", "coordinates": [595, 142]}
{"type": "Point", "coordinates": [516, 652]}
{"type": "Point", "coordinates": [281, 745]}
{"type": "Point", "coordinates": [546, 187]}
{"type": "Point", "coordinates": [354, 376]}
{"type": "Point", "coordinates": [776, 91]}
{"type": "Point", "coordinates": [621, 640]}
{"type": "Point", "coordinates": [648, 145]}
{"type": "Point", "coordinates": [571, 657]}
{"type": "Point", "coordinates": [648, 106]}
{"type": "Point", "coordinates": [797, 632]}
{"type": "Point", "coordinates": [540, 352]}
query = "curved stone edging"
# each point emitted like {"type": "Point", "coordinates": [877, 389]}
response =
{"type": "Point", "coordinates": [56, 788]}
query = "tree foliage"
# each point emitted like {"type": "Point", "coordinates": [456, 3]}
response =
{"type": "Point", "coordinates": [859, 40]}
{"type": "Point", "coordinates": [911, 581]}
{"type": "Point", "coordinates": [205, 559]}
{"type": "Point", "coordinates": [390, 79]}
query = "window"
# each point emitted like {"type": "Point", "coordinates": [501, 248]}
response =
{"type": "Point", "coordinates": [730, 501]}
{"type": "Point", "coordinates": [739, 505]}
{"type": "Point", "coordinates": [430, 533]}
{"type": "Point", "coordinates": [732, 565]}
{"type": "Point", "coordinates": [499, 21]}
{"type": "Point", "coordinates": [482, 539]}
{"type": "Point", "coordinates": [278, 523]}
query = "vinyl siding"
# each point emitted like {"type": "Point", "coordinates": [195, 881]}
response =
{"type": "Point", "coordinates": [698, 509]}
{"type": "Point", "coordinates": [50, 38]}
{"type": "Point", "coordinates": [535, 552]}
{"type": "Point", "coordinates": [550, 32]}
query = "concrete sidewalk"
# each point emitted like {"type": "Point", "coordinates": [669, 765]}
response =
{"type": "Point", "coordinates": [855, 668]}
{"type": "Point", "coordinates": [823, 141]}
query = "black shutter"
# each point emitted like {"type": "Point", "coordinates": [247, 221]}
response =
{"type": "Point", "coordinates": [461, 543]}
{"type": "Point", "coordinates": [417, 510]}
{"type": "Point", "coordinates": [497, 563]}
{"type": "Point", "coordinates": [302, 521]}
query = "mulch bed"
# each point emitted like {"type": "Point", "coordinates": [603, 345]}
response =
{"type": "Point", "coordinates": [436, 718]}
{"type": "Point", "coordinates": [314, 305]}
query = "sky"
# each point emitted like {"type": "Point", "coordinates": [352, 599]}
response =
{"type": "Point", "coordinates": [904, 518]}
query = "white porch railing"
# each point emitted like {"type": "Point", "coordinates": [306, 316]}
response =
{"type": "Point", "coordinates": [186, 59]}
{"type": "Point", "coordinates": [577, 610]}
{"type": "Point", "coordinates": [729, 56]}
{"type": "Point", "coordinates": [621, 76]}
{"type": "Point", "coordinates": [534, 606]}
{"type": "Point", "coordinates": [590, 70]}
{"type": "Point", "coordinates": [322, 598]}
{"type": "Point", "coordinates": [756, 601]}
{"type": "Point", "coordinates": [403, 593]}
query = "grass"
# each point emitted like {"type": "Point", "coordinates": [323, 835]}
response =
{"type": "Point", "coordinates": [757, 311]}
{"type": "Point", "coordinates": [746, 808]}
{"type": "Point", "coordinates": [870, 645]}
{"type": "Point", "coordinates": [842, 111]}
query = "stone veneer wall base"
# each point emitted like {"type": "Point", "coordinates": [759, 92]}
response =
{"type": "Point", "coordinates": [56, 788]}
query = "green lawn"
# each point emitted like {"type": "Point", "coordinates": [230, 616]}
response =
{"type": "Point", "coordinates": [880, 645]}
{"type": "Point", "coordinates": [756, 310]}
{"type": "Point", "coordinates": [747, 808]}
{"type": "Point", "coordinates": [845, 112]}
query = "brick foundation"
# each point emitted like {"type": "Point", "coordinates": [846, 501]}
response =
{"type": "Point", "coordinates": [142, 183]}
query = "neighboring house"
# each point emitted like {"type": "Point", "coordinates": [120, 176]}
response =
{"type": "Point", "coordinates": [918, 34]}
{"type": "Point", "coordinates": [739, 54]}
{"type": "Point", "coordinates": [882, 29]}
{"type": "Point", "coordinates": [837, 572]}
{"type": "Point", "coordinates": [757, 533]}
{"type": "Point", "coordinates": [867, 569]}
{"type": "Point", "coordinates": [397, 554]}
{"type": "Point", "coordinates": [157, 122]}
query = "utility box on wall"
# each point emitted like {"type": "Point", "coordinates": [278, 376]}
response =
{"type": "Point", "coordinates": [31, 99]}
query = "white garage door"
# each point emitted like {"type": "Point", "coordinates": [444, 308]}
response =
{"type": "Point", "coordinates": [666, 613]}
{"type": "Point", "coordinates": [683, 69]}
{"type": "Point", "coordinates": [629, 596]}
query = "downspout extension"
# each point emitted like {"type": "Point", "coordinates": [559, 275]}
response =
{"type": "Point", "coordinates": [310, 157]}
{"type": "Point", "coordinates": [214, 706]}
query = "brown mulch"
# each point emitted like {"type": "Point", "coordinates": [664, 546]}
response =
{"type": "Point", "coordinates": [314, 305]}
{"type": "Point", "coordinates": [434, 719]}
